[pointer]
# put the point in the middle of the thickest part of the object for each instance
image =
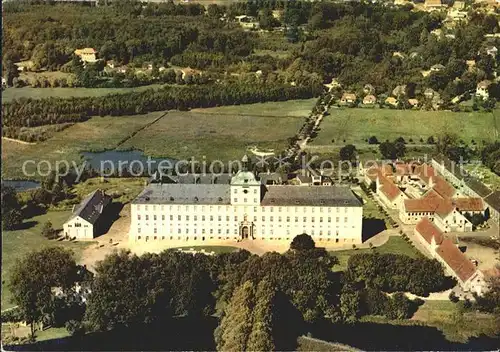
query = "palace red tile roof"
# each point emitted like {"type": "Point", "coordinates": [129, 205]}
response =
{"type": "Point", "coordinates": [445, 207]}
{"type": "Point", "coordinates": [403, 169]}
{"type": "Point", "coordinates": [423, 205]}
{"type": "Point", "coordinates": [442, 187]}
{"type": "Point", "coordinates": [458, 262]}
{"type": "Point", "coordinates": [463, 268]}
{"type": "Point", "coordinates": [431, 194]}
{"type": "Point", "coordinates": [389, 189]}
{"type": "Point", "coordinates": [376, 171]}
{"type": "Point", "coordinates": [428, 230]}
{"type": "Point", "coordinates": [469, 204]}
{"type": "Point", "coordinates": [433, 202]}
{"type": "Point", "coordinates": [425, 172]}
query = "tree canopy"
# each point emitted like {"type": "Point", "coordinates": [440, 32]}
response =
{"type": "Point", "coordinates": [34, 277]}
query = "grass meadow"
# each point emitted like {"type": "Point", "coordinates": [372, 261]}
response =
{"type": "Point", "coordinates": [222, 133]}
{"type": "Point", "coordinates": [16, 244]}
{"type": "Point", "coordinates": [354, 126]}
{"type": "Point", "coordinates": [96, 134]}
{"type": "Point", "coordinates": [38, 93]}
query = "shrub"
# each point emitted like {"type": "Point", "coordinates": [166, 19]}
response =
{"type": "Point", "coordinates": [48, 231]}
{"type": "Point", "coordinates": [453, 297]}
{"type": "Point", "coordinates": [75, 327]}
{"type": "Point", "coordinates": [302, 242]}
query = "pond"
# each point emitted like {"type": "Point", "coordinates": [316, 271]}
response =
{"type": "Point", "coordinates": [132, 161]}
{"type": "Point", "coordinates": [21, 185]}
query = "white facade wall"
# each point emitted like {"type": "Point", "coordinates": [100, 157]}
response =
{"type": "Point", "coordinates": [78, 228]}
{"type": "Point", "coordinates": [413, 218]}
{"type": "Point", "coordinates": [476, 284]}
{"type": "Point", "coordinates": [188, 222]}
{"type": "Point", "coordinates": [495, 215]}
{"type": "Point", "coordinates": [453, 222]}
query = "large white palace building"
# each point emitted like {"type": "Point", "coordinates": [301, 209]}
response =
{"type": "Point", "coordinates": [242, 208]}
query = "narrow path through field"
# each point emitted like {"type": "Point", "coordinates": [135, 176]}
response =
{"type": "Point", "coordinates": [335, 345]}
{"type": "Point", "coordinates": [140, 129]}
{"type": "Point", "coordinates": [201, 111]}
{"type": "Point", "coordinates": [18, 141]}
{"type": "Point", "coordinates": [495, 124]}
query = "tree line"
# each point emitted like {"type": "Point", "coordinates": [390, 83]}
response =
{"type": "Point", "coordinates": [36, 112]}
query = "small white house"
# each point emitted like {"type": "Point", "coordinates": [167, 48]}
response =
{"type": "Point", "coordinates": [482, 89]}
{"type": "Point", "coordinates": [85, 220]}
{"type": "Point", "coordinates": [348, 98]}
{"type": "Point", "coordinates": [492, 51]}
{"type": "Point", "coordinates": [437, 68]}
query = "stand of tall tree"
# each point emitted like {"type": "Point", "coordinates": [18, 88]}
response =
{"type": "Point", "coordinates": [263, 302]}
{"type": "Point", "coordinates": [11, 209]}
{"type": "Point", "coordinates": [258, 318]}
{"type": "Point", "coordinates": [36, 112]}
{"type": "Point", "coordinates": [395, 272]}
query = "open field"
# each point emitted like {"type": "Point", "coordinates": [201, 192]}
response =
{"type": "Point", "coordinates": [219, 136]}
{"type": "Point", "coordinates": [289, 108]}
{"type": "Point", "coordinates": [445, 316]}
{"type": "Point", "coordinates": [395, 245]}
{"type": "Point", "coordinates": [37, 93]}
{"type": "Point", "coordinates": [356, 125]}
{"type": "Point", "coordinates": [16, 244]}
{"type": "Point", "coordinates": [51, 333]}
{"type": "Point", "coordinates": [217, 133]}
{"type": "Point", "coordinates": [305, 343]}
{"type": "Point", "coordinates": [98, 133]}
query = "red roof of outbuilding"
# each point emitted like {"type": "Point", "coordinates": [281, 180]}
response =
{"type": "Point", "coordinates": [442, 187]}
{"type": "Point", "coordinates": [458, 262]}
{"type": "Point", "coordinates": [428, 230]}
{"type": "Point", "coordinates": [469, 204]}
{"type": "Point", "coordinates": [390, 190]}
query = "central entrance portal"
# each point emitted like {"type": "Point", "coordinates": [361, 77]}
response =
{"type": "Point", "coordinates": [244, 232]}
{"type": "Point", "coordinates": [246, 229]}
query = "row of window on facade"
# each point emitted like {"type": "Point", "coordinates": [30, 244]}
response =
{"type": "Point", "coordinates": [77, 224]}
{"type": "Point", "coordinates": [420, 214]}
{"type": "Point", "coordinates": [263, 209]}
{"type": "Point", "coordinates": [245, 191]}
{"type": "Point", "coordinates": [219, 218]}
{"type": "Point", "coordinates": [245, 200]}
{"type": "Point", "coordinates": [195, 238]}
{"type": "Point", "coordinates": [235, 231]}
